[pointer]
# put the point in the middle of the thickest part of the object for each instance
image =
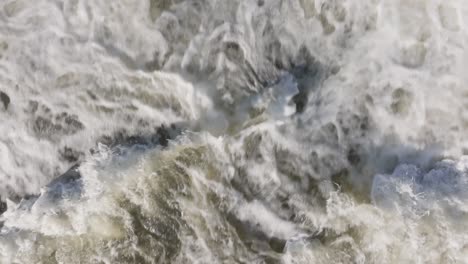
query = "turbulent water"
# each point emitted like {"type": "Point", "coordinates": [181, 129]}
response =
{"type": "Point", "coordinates": [234, 131]}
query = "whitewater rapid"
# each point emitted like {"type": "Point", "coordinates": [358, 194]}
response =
{"type": "Point", "coordinates": [243, 131]}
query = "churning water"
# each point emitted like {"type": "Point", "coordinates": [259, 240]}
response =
{"type": "Point", "coordinates": [234, 131]}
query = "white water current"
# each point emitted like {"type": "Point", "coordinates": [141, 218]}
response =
{"type": "Point", "coordinates": [234, 131]}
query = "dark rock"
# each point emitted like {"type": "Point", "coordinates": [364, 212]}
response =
{"type": "Point", "coordinates": [73, 123]}
{"type": "Point", "coordinates": [70, 155]}
{"type": "Point", "coordinates": [121, 138]}
{"type": "Point", "coordinates": [136, 140]}
{"type": "Point", "coordinates": [233, 51]}
{"type": "Point", "coordinates": [355, 124]}
{"type": "Point", "coordinates": [307, 72]}
{"type": "Point", "coordinates": [353, 156]}
{"type": "Point", "coordinates": [3, 207]}
{"type": "Point", "coordinates": [48, 125]}
{"type": "Point", "coordinates": [5, 100]}
{"type": "Point", "coordinates": [106, 140]}
{"type": "Point", "coordinates": [300, 100]}
{"type": "Point", "coordinates": [277, 244]}
{"type": "Point", "coordinates": [32, 106]}
{"type": "Point", "coordinates": [43, 126]}
{"type": "Point", "coordinates": [161, 136]}
{"type": "Point", "coordinates": [164, 135]}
